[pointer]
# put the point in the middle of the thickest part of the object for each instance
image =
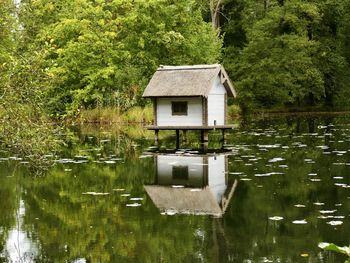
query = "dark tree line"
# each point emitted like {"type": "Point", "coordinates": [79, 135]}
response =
{"type": "Point", "coordinates": [288, 52]}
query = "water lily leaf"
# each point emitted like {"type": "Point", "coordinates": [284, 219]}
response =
{"type": "Point", "coordinates": [136, 199]}
{"type": "Point", "coordinates": [335, 223]}
{"type": "Point", "coordinates": [275, 218]}
{"type": "Point", "coordinates": [300, 222]}
{"type": "Point", "coordinates": [133, 205]}
{"type": "Point", "coordinates": [335, 248]}
{"type": "Point", "coordinates": [95, 193]}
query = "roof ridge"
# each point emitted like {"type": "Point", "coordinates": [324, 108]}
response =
{"type": "Point", "coordinates": [185, 81]}
{"type": "Point", "coordinates": [186, 67]}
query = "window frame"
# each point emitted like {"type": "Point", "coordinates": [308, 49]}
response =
{"type": "Point", "coordinates": [180, 172]}
{"type": "Point", "coordinates": [182, 113]}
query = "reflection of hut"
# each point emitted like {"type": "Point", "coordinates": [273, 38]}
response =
{"type": "Point", "coordinates": [191, 184]}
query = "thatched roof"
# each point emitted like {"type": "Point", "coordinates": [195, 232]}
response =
{"type": "Point", "coordinates": [184, 200]}
{"type": "Point", "coordinates": [189, 201]}
{"type": "Point", "coordinates": [186, 81]}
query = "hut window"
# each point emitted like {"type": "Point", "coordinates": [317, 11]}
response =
{"type": "Point", "coordinates": [180, 172]}
{"type": "Point", "coordinates": [179, 107]}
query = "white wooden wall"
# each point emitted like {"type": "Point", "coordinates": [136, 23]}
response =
{"type": "Point", "coordinates": [216, 104]}
{"type": "Point", "coordinates": [216, 172]}
{"type": "Point", "coordinates": [217, 176]}
{"type": "Point", "coordinates": [193, 117]}
{"type": "Point", "coordinates": [195, 166]}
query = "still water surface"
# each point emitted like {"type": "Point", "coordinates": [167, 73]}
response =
{"type": "Point", "coordinates": [280, 186]}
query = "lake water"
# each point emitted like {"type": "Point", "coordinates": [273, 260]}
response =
{"type": "Point", "coordinates": [279, 187]}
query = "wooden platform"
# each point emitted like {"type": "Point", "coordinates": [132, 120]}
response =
{"type": "Point", "coordinates": [204, 130]}
{"type": "Point", "coordinates": [192, 128]}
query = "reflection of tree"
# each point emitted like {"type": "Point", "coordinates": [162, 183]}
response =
{"type": "Point", "coordinates": [8, 204]}
{"type": "Point", "coordinates": [105, 142]}
{"type": "Point", "coordinates": [71, 225]}
{"type": "Point", "coordinates": [251, 233]}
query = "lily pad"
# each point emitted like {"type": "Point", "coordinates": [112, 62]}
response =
{"type": "Point", "coordinates": [95, 193]}
{"type": "Point", "coordinates": [335, 248]}
{"type": "Point", "coordinates": [335, 223]}
{"type": "Point", "coordinates": [136, 199]}
{"type": "Point", "coordinates": [276, 218]}
{"type": "Point", "coordinates": [133, 205]}
{"type": "Point", "coordinates": [300, 222]}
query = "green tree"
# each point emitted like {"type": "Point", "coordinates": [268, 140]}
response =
{"type": "Point", "coordinates": [6, 41]}
{"type": "Point", "coordinates": [314, 38]}
{"type": "Point", "coordinates": [102, 53]}
{"type": "Point", "coordinates": [24, 126]}
{"type": "Point", "coordinates": [333, 52]}
{"type": "Point", "coordinates": [277, 67]}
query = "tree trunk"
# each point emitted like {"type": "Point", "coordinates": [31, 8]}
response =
{"type": "Point", "coordinates": [266, 5]}
{"type": "Point", "coordinates": [215, 7]}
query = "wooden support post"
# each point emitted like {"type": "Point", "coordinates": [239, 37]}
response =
{"type": "Point", "coordinates": [184, 135]}
{"type": "Point", "coordinates": [204, 139]}
{"type": "Point", "coordinates": [223, 136]}
{"type": "Point", "coordinates": [177, 139]}
{"type": "Point", "coordinates": [204, 136]}
{"type": "Point", "coordinates": [155, 111]}
{"type": "Point", "coordinates": [156, 137]}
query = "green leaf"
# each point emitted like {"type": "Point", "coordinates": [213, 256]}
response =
{"type": "Point", "coordinates": [332, 247]}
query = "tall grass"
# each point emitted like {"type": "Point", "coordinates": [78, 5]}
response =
{"type": "Point", "coordinates": [99, 115]}
{"type": "Point", "coordinates": [233, 112]}
{"type": "Point", "coordinates": [109, 115]}
{"type": "Point", "coordinates": [138, 115]}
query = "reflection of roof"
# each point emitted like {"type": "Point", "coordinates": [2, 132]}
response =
{"type": "Point", "coordinates": [183, 200]}
{"type": "Point", "coordinates": [196, 80]}
{"type": "Point", "coordinates": [188, 200]}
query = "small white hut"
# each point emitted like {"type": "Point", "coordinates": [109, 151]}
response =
{"type": "Point", "coordinates": [190, 96]}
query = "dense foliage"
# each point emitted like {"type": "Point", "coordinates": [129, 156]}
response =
{"type": "Point", "coordinates": [102, 53]}
{"type": "Point", "coordinates": [24, 125]}
{"type": "Point", "coordinates": [58, 57]}
{"type": "Point", "coordinates": [289, 53]}
{"type": "Point", "coordinates": [83, 54]}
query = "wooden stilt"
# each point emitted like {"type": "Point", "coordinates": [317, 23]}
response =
{"type": "Point", "coordinates": [205, 147]}
{"type": "Point", "coordinates": [177, 139]}
{"type": "Point", "coordinates": [204, 136]}
{"type": "Point", "coordinates": [204, 132]}
{"type": "Point", "coordinates": [156, 137]}
{"type": "Point", "coordinates": [204, 140]}
{"type": "Point", "coordinates": [184, 135]}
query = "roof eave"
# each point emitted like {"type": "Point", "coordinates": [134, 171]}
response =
{"type": "Point", "coordinates": [171, 96]}
{"type": "Point", "coordinates": [225, 80]}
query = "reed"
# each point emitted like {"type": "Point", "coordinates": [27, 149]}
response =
{"type": "Point", "coordinates": [109, 115]}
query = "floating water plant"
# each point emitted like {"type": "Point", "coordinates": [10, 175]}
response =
{"type": "Point", "coordinates": [276, 218]}
{"type": "Point", "coordinates": [95, 193]}
{"type": "Point", "coordinates": [335, 223]}
{"type": "Point", "coordinates": [133, 205]}
{"type": "Point", "coordinates": [332, 247]}
{"type": "Point", "coordinates": [300, 222]}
